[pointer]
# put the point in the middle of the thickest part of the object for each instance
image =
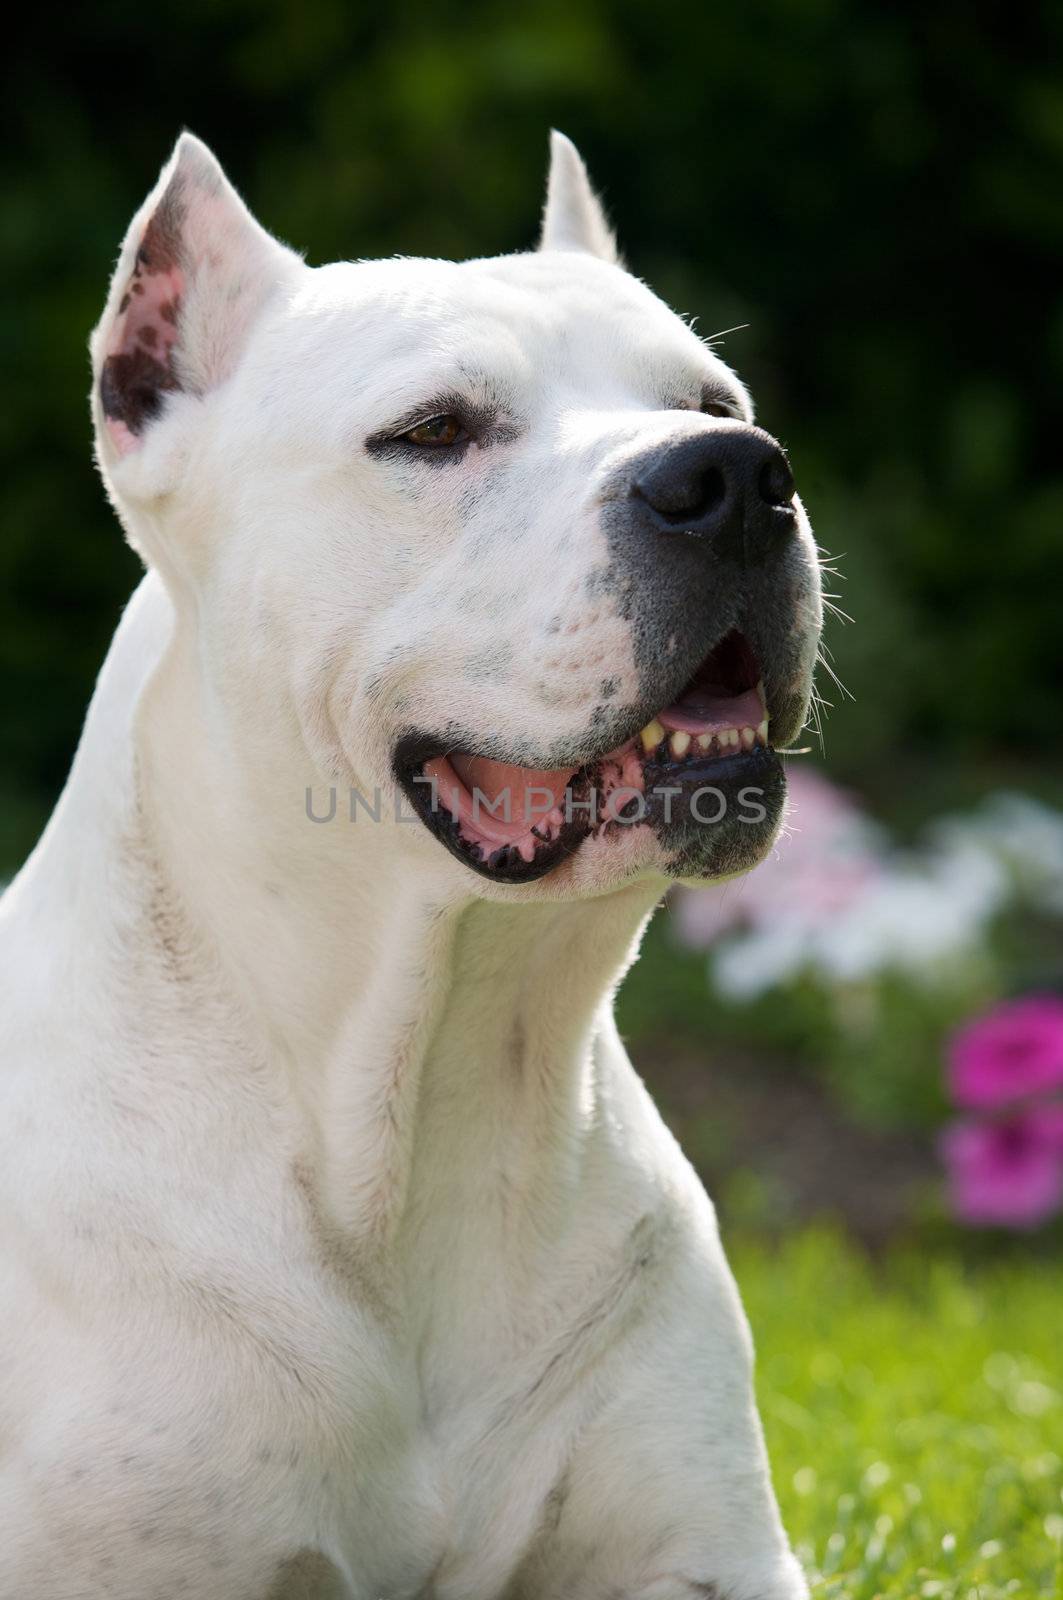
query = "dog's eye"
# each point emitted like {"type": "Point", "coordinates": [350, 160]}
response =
{"type": "Point", "coordinates": [437, 432]}
{"type": "Point", "coordinates": [717, 408]}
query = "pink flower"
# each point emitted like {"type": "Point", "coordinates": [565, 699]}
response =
{"type": "Point", "coordinates": [1005, 1174]}
{"type": "Point", "coordinates": [1014, 1052]}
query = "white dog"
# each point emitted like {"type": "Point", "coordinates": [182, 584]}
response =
{"type": "Point", "coordinates": [343, 1252]}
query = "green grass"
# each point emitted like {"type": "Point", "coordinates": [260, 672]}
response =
{"type": "Point", "coordinates": [914, 1414]}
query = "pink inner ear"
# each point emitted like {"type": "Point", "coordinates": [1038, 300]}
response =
{"type": "Point", "coordinates": [139, 366]}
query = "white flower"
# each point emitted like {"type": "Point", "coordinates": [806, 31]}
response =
{"type": "Point", "coordinates": [835, 901]}
{"type": "Point", "coordinates": [1026, 836]}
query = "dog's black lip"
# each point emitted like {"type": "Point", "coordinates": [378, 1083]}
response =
{"type": "Point", "coordinates": [506, 865]}
{"type": "Point", "coordinates": [713, 771]}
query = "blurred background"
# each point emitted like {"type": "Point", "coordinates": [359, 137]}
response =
{"type": "Point", "coordinates": [862, 1043]}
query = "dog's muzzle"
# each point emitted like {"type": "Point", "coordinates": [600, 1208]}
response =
{"type": "Point", "coordinates": [708, 565]}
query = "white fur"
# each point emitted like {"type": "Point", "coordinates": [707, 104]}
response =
{"type": "Point", "coordinates": [337, 1220]}
{"type": "Point", "coordinates": [572, 217]}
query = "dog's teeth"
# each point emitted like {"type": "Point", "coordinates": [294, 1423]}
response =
{"type": "Point", "coordinates": [681, 743]}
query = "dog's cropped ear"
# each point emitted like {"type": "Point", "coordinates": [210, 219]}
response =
{"type": "Point", "coordinates": [573, 218]}
{"type": "Point", "coordinates": [194, 272]}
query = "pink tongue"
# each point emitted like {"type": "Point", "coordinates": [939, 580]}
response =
{"type": "Point", "coordinates": [701, 711]}
{"type": "Point", "coordinates": [495, 778]}
{"type": "Point", "coordinates": [493, 781]}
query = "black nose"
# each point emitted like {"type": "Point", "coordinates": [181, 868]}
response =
{"type": "Point", "coordinates": [730, 484]}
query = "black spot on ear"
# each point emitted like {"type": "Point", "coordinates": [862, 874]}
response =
{"type": "Point", "coordinates": [132, 385]}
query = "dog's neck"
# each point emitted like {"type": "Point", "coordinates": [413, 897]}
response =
{"type": "Point", "coordinates": [396, 1007]}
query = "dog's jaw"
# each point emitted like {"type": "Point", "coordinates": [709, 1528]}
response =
{"type": "Point", "coordinates": [700, 776]}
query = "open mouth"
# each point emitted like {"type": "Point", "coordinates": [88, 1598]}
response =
{"type": "Point", "coordinates": [681, 773]}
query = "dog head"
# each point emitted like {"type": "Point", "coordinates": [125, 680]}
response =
{"type": "Point", "coordinates": [500, 533]}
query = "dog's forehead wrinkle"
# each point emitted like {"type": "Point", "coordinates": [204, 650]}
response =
{"type": "Point", "coordinates": [498, 328]}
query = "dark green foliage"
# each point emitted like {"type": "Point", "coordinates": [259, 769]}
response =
{"type": "Point", "coordinates": [876, 189]}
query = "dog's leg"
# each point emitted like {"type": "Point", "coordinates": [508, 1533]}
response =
{"type": "Point", "coordinates": [667, 1494]}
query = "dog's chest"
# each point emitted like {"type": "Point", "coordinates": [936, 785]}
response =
{"type": "Point", "coordinates": [460, 1427]}
{"type": "Point", "coordinates": [403, 1418]}
{"type": "Point", "coordinates": [425, 1467]}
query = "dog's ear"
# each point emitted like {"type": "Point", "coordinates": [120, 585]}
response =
{"type": "Point", "coordinates": [194, 272]}
{"type": "Point", "coordinates": [573, 218]}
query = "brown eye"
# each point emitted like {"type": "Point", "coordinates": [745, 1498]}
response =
{"type": "Point", "coordinates": [716, 408]}
{"type": "Point", "coordinates": [437, 432]}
